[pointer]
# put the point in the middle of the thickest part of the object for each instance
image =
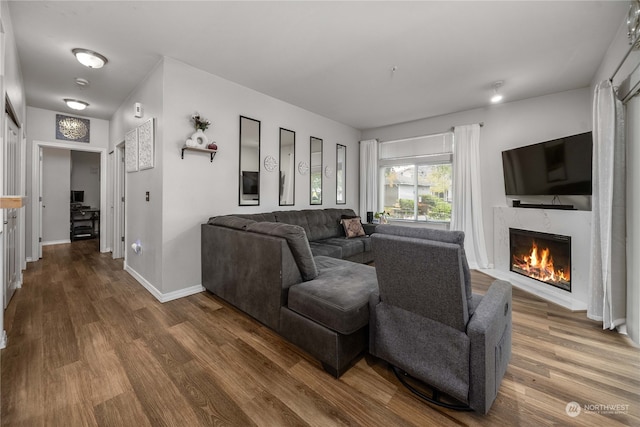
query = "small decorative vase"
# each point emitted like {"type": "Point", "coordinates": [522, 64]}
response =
{"type": "Point", "coordinates": [212, 146]}
{"type": "Point", "coordinates": [198, 140]}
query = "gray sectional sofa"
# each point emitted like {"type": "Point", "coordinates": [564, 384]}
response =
{"type": "Point", "coordinates": [297, 273]}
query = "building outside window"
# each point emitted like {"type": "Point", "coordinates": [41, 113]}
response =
{"type": "Point", "coordinates": [416, 178]}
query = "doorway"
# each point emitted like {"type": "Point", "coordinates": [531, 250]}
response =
{"type": "Point", "coordinates": [37, 191]}
{"type": "Point", "coordinates": [11, 217]}
{"type": "Point", "coordinates": [119, 202]}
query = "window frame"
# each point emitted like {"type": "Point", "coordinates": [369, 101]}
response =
{"type": "Point", "coordinates": [442, 158]}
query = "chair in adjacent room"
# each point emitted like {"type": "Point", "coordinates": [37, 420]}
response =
{"type": "Point", "coordinates": [429, 326]}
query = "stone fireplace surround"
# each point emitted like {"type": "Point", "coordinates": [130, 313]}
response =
{"type": "Point", "coordinates": [576, 224]}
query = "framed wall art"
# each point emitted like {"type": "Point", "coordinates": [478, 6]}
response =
{"type": "Point", "coordinates": [131, 150]}
{"type": "Point", "coordinates": [146, 147]}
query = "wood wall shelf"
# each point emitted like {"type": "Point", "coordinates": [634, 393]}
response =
{"type": "Point", "coordinates": [201, 150]}
{"type": "Point", "coordinates": [12, 202]}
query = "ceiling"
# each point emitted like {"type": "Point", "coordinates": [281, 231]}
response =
{"type": "Point", "coordinates": [332, 58]}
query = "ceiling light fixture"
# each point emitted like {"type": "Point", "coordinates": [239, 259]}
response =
{"type": "Point", "coordinates": [497, 97]}
{"type": "Point", "coordinates": [75, 104]}
{"type": "Point", "coordinates": [89, 58]}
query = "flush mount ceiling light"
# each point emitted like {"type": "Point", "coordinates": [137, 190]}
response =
{"type": "Point", "coordinates": [75, 104]}
{"type": "Point", "coordinates": [497, 97]}
{"type": "Point", "coordinates": [89, 58]}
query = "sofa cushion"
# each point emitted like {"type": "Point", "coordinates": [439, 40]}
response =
{"type": "Point", "coordinates": [297, 241]}
{"type": "Point", "coordinates": [349, 247]}
{"type": "Point", "coordinates": [325, 223]}
{"type": "Point", "coordinates": [231, 221]}
{"type": "Point", "coordinates": [323, 249]}
{"type": "Point", "coordinates": [338, 298]}
{"type": "Point", "coordinates": [294, 218]}
{"type": "Point", "coordinates": [445, 236]}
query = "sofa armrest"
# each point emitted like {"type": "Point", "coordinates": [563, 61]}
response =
{"type": "Point", "coordinates": [369, 229]}
{"type": "Point", "coordinates": [489, 331]}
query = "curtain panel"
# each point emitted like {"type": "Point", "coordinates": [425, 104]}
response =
{"type": "Point", "coordinates": [607, 280]}
{"type": "Point", "coordinates": [368, 177]}
{"type": "Point", "coordinates": [466, 210]}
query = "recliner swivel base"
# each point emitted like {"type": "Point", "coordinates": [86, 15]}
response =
{"type": "Point", "coordinates": [436, 394]}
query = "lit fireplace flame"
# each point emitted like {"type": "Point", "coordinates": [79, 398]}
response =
{"type": "Point", "coordinates": [538, 264]}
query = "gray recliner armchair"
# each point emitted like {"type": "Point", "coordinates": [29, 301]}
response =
{"type": "Point", "coordinates": [428, 325]}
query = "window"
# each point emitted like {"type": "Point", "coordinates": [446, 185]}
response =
{"type": "Point", "coordinates": [416, 178]}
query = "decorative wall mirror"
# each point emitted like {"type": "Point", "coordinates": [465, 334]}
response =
{"type": "Point", "coordinates": [287, 176]}
{"type": "Point", "coordinates": [249, 161]}
{"type": "Point", "coordinates": [316, 171]}
{"type": "Point", "coordinates": [341, 174]}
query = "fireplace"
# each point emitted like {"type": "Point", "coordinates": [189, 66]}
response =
{"type": "Point", "coordinates": [541, 256]}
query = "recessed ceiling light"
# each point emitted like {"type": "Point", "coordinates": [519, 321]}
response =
{"type": "Point", "coordinates": [89, 58]}
{"type": "Point", "coordinates": [497, 97]}
{"type": "Point", "coordinates": [82, 82]}
{"type": "Point", "coordinates": [75, 104]}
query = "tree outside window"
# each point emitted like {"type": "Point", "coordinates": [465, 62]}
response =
{"type": "Point", "coordinates": [418, 192]}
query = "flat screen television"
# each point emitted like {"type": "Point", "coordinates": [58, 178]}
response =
{"type": "Point", "coordinates": [558, 167]}
{"type": "Point", "coordinates": [77, 196]}
{"type": "Point", "coordinates": [250, 183]}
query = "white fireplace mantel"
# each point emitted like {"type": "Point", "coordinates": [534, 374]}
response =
{"type": "Point", "coordinates": [576, 224]}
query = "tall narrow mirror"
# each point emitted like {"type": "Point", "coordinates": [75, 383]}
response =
{"type": "Point", "coordinates": [249, 161]}
{"type": "Point", "coordinates": [287, 164]}
{"type": "Point", "coordinates": [316, 171]}
{"type": "Point", "coordinates": [341, 174]}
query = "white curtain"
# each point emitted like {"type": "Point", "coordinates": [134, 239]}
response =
{"type": "Point", "coordinates": [607, 281]}
{"type": "Point", "coordinates": [466, 210]}
{"type": "Point", "coordinates": [368, 177]}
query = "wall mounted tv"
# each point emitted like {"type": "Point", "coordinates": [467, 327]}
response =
{"type": "Point", "coordinates": [558, 167]}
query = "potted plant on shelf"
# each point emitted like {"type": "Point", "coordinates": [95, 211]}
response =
{"type": "Point", "coordinates": [199, 139]}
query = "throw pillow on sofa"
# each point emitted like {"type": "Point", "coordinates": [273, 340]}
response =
{"type": "Point", "coordinates": [353, 227]}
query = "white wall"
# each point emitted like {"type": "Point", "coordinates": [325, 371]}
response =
{"type": "Point", "coordinates": [85, 176]}
{"type": "Point", "coordinates": [144, 219]}
{"type": "Point", "coordinates": [56, 183]}
{"type": "Point", "coordinates": [42, 128]}
{"type": "Point", "coordinates": [185, 193]}
{"type": "Point", "coordinates": [507, 125]}
{"type": "Point", "coordinates": [195, 189]}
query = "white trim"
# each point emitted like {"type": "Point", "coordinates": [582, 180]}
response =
{"type": "Point", "coordinates": [3, 339]}
{"type": "Point", "coordinates": [180, 293]}
{"type": "Point", "coordinates": [56, 242]}
{"type": "Point", "coordinates": [35, 190]}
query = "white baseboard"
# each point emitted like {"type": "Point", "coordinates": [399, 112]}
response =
{"type": "Point", "coordinates": [55, 242]}
{"type": "Point", "coordinates": [180, 293]}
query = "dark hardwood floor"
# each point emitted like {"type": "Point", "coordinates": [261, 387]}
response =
{"type": "Point", "coordinates": [88, 345]}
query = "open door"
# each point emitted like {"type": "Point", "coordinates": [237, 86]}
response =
{"type": "Point", "coordinates": [12, 164]}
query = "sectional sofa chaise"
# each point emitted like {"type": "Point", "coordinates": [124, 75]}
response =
{"type": "Point", "coordinates": [297, 273]}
